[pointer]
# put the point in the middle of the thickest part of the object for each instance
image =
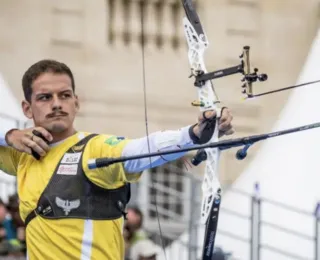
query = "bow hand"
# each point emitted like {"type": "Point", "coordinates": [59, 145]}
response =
{"type": "Point", "coordinates": [202, 132]}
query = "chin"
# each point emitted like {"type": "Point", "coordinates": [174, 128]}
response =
{"type": "Point", "coordinates": [57, 128]}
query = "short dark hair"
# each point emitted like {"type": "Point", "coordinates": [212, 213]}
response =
{"type": "Point", "coordinates": [39, 68]}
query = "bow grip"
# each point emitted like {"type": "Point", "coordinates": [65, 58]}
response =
{"type": "Point", "coordinates": [206, 127]}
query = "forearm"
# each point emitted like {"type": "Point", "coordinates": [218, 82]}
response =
{"type": "Point", "coordinates": [158, 141]}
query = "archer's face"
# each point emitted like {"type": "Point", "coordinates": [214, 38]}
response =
{"type": "Point", "coordinates": [53, 103]}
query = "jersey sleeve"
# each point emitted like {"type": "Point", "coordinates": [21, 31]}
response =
{"type": "Point", "coordinates": [9, 160]}
{"type": "Point", "coordinates": [114, 175]}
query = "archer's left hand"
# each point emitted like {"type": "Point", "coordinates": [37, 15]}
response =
{"type": "Point", "coordinates": [225, 121]}
{"type": "Point", "coordinates": [225, 126]}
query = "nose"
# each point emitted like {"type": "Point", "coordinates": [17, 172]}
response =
{"type": "Point", "coordinates": [56, 103]}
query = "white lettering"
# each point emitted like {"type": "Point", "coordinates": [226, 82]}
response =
{"type": "Point", "coordinates": [71, 158]}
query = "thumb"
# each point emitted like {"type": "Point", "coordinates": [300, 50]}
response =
{"type": "Point", "coordinates": [209, 114]}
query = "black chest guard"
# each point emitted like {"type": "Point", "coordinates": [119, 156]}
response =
{"type": "Point", "coordinates": [70, 194]}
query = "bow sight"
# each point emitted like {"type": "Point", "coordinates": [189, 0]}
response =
{"type": "Point", "coordinates": [243, 68]}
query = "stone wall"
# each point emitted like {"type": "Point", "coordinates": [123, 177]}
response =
{"type": "Point", "coordinates": [100, 41]}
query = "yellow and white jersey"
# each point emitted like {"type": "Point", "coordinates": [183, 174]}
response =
{"type": "Point", "coordinates": [69, 238]}
{"type": "Point", "coordinates": [78, 239]}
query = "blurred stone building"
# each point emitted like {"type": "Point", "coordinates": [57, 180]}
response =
{"type": "Point", "coordinates": [101, 42]}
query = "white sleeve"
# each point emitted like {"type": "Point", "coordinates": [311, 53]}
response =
{"type": "Point", "coordinates": [158, 141]}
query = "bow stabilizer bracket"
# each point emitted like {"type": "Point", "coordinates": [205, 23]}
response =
{"type": "Point", "coordinates": [243, 68]}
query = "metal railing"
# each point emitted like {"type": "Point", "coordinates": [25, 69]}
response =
{"type": "Point", "coordinates": [257, 221]}
{"type": "Point", "coordinates": [257, 225]}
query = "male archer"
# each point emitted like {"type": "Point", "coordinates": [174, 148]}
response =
{"type": "Point", "coordinates": [70, 211]}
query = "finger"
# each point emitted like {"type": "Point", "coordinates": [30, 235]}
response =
{"type": "Point", "coordinates": [34, 146]}
{"type": "Point", "coordinates": [225, 124]}
{"type": "Point", "coordinates": [45, 133]}
{"type": "Point", "coordinates": [22, 148]}
{"type": "Point", "coordinates": [207, 115]}
{"type": "Point", "coordinates": [39, 141]}
{"type": "Point", "coordinates": [225, 128]}
{"type": "Point", "coordinates": [229, 132]}
{"type": "Point", "coordinates": [26, 149]}
{"type": "Point", "coordinates": [225, 115]}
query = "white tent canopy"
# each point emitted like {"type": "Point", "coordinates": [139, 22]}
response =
{"type": "Point", "coordinates": [10, 116]}
{"type": "Point", "coordinates": [10, 110]}
{"type": "Point", "coordinates": [288, 171]}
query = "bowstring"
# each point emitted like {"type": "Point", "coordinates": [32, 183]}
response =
{"type": "Point", "coordinates": [142, 11]}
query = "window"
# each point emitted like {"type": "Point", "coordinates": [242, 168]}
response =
{"type": "Point", "coordinates": [162, 22]}
{"type": "Point", "coordinates": [166, 189]}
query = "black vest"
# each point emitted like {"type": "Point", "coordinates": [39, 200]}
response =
{"type": "Point", "coordinates": [70, 194]}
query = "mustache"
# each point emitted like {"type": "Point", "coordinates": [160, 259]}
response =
{"type": "Point", "coordinates": [60, 113]}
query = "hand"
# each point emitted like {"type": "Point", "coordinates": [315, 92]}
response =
{"type": "Point", "coordinates": [25, 141]}
{"type": "Point", "coordinates": [225, 126]}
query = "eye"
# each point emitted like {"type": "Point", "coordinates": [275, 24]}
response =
{"type": "Point", "coordinates": [66, 95]}
{"type": "Point", "coordinates": [44, 97]}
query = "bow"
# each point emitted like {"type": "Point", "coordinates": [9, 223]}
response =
{"type": "Point", "coordinates": [208, 100]}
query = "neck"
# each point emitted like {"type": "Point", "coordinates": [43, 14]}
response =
{"type": "Point", "coordinates": [57, 137]}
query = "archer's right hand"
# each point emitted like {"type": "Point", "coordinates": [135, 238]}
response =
{"type": "Point", "coordinates": [25, 141]}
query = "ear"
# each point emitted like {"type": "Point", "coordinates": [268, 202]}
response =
{"type": "Point", "coordinates": [27, 110]}
{"type": "Point", "coordinates": [77, 103]}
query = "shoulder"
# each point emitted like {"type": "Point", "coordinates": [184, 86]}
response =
{"type": "Point", "coordinates": [104, 145]}
{"type": "Point", "coordinates": [9, 160]}
{"type": "Point", "coordinates": [107, 141]}
{"type": "Point", "coordinates": [7, 150]}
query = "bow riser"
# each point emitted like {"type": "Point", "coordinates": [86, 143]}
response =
{"type": "Point", "coordinates": [211, 187]}
{"type": "Point", "coordinates": [208, 98]}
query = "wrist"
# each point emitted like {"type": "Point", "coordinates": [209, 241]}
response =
{"type": "Point", "coordinates": [194, 133]}
{"type": "Point", "coordinates": [7, 136]}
